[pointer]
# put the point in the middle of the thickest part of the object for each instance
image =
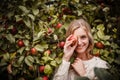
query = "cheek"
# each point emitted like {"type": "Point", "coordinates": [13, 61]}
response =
{"type": "Point", "coordinates": [86, 42]}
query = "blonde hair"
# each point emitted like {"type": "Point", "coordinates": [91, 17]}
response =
{"type": "Point", "coordinates": [81, 23]}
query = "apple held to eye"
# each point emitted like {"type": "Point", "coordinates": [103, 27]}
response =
{"type": "Point", "coordinates": [74, 40]}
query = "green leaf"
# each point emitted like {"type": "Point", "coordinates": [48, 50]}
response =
{"type": "Point", "coordinates": [100, 27]}
{"type": "Point", "coordinates": [26, 42]}
{"type": "Point", "coordinates": [39, 35]}
{"type": "Point", "coordinates": [18, 18]}
{"type": "Point", "coordinates": [29, 60]}
{"type": "Point", "coordinates": [106, 37]}
{"type": "Point", "coordinates": [46, 59]}
{"type": "Point", "coordinates": [80, 12]}
{"type": "Point", "coordinates": [12, 55]}
{"type": "Point", "coordinates": [39, 78]}
{"type": "Point", "coordinates": [53, 63]}
{"type": "Point", "coordinates": [100, 34]}
{"type": "Point", "coordinates": [48, 69]}
{"type": "Point", "coordinates": [107, 43]}
{"type": "Point", "coordinates": [106, 9]}
{"type": "Point", "coordinates": [76, 1]}
{"type": "Point", "coordinates": [37, 60]}
{"type": "Point", "coordinates": [35, 11]}
{"type": "Point", "coordinates": [31, 16]}
{"type": "Point", "coordinates": [28, 23]}
{"type": "Point", "coordinates": [58, 60]}
{"type": "Point", "coordinates": [11, 38]}
{"type": "Point", "coordinates": [20, 60]}
{"type": "Point", "coordinates": [41, 47]}
{"type": "Point", "coordinates": [6, 56]}
{"type": "Point", "coordinates": [24, 9]}
{"type": "Point", "coordinates": [10, 14]}
{"type": "Point", "coordinates": [103, 74]}
{"type": "Point", "coordinates": [21, 50]}
{"type": "Point", "coordinates": [98, 21]}
{"type": "Point", "coordinates": [54, 20]}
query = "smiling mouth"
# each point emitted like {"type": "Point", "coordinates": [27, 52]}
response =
{"type": "Point", "coordinates": [80, 47]}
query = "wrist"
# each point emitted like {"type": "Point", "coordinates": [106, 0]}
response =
{"type": "Point", "coordinates": [66, 58]}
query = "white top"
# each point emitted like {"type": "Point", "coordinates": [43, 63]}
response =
{"type": "Point", "coordinates": [65, 73]}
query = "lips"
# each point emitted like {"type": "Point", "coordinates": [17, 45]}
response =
{"type": "Point", "coordinates": [79, 47]}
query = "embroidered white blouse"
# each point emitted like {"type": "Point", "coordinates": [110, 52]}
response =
{"type": "Point", "coordinates": [65, 73]}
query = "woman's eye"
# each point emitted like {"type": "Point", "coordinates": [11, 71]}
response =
{"type": "Point", "coordinates": [83, 37]}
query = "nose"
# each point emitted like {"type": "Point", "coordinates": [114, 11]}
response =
{"type": "Point", "coordinates": [79, 41]}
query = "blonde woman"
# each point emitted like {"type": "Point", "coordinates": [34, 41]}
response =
{"type": "Point", "coordinates": [79, 43]}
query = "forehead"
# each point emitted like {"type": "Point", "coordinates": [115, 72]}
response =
{"type": "Point", "coordinates": [80, 31]}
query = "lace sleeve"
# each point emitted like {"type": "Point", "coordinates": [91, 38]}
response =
{"type": "Point", "coordinates": [62, 71]}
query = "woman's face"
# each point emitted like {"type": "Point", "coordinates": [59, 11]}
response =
{"type": "Point", "coordinates": [83, 40]}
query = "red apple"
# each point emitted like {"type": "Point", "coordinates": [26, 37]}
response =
{"type": "Point", "coordinates": [58, 25]}
{"type": "Point", "coordinates": [61, 44]}
{"type": "Point", "coordinates": [20, 43]}
{"type": "Point", "coordinates": [45, 78]}
{"type": "Point", "coordinates": [33, 51]}
{"type": "Point", "coordinates": [13, 31]}
{"type": "Point", "coordinates": [49, 30]}
{"type": "Point", "coordinates": [47, 52]}
{"type": "Point", "coordinates": [67, 10]}
{"type": "Point", "coordinates": [41, 68]}
{"type": "Point", "coordinates": [99, 45]}
{"type": "Point", "coordinates": [74, 40]}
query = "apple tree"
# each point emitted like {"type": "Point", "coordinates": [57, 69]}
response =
{"type": "Point", "coordinates": [32, 35]}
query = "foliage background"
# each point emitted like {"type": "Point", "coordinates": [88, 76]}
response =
{"type": "Point", "coordinates": [41, 24]}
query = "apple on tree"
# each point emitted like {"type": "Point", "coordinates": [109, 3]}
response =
{"type": "Point", "coordinates": [99, 45]}
{"type": "Point", "coordinates": [20, 43]}
{"type": "Point", "coordinates": [48, 52]}
{"type": "Point", "coordinates": [61, 44]}
{"type": "Point", "coordinates": [45, 78]}
{"type": "Point", "coordinates": [41, 68]}
{"type": "Point", "coordinates": [33, 51]}
{"type": "Point", "coordinates": [13, 31]}
{"type": "Point", "coordinates": [49, 30]}
{"type": "Point", "coordinates": [58, 25]}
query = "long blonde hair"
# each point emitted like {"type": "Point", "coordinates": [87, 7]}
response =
{"type": "Point", "coordinates": [75, 24]}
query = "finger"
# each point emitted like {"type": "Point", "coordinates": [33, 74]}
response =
{"type": "Point", "coordinates": [68, 38]}
{"type": "Point", "coordinates": [67, 44]}
{"type": "Point", "coordinates": [73, 65]}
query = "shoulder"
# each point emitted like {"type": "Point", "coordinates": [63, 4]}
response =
{"type": "Point", "coordinates": [100, 62]}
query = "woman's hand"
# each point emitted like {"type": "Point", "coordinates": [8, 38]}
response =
{"type": "Point", "coordinates": [69, 47]}
{"type": "Point", "coordinates": [79, 67]}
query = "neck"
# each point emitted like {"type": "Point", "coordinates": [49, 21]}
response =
{"type": "Point", "coordinates": [84, 56]}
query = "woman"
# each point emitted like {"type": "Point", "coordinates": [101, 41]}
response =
{"type": "Point", "coordinates": [79, 44]}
